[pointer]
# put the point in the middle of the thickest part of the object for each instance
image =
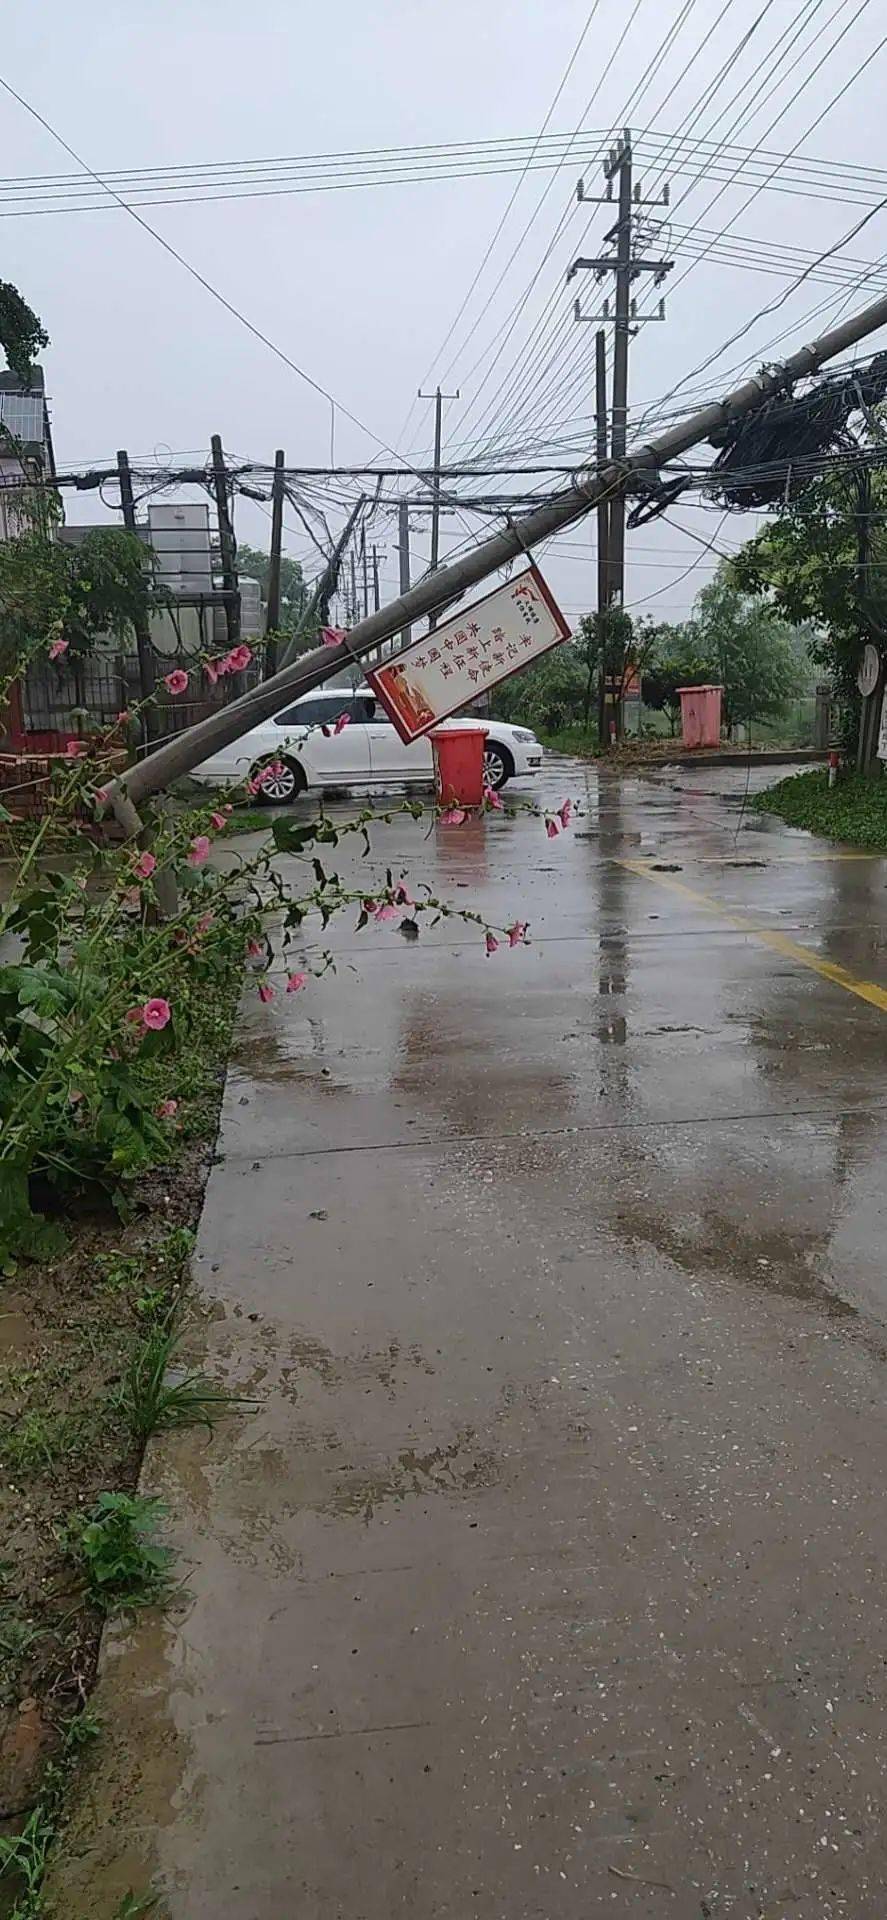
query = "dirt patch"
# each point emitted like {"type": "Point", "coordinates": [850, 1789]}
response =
{"type": "Point", "coordinates": [67, 1333]}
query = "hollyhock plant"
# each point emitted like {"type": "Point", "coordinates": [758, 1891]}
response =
{"type": "Point", "coordinates": [491, 799]}
{"type": "Point", "coordinates": [491, 944]}
{"type": "Point", "coordinates": [296, 981]}
{"type": "Point", "coordinates": [154, 1014]}
{"type": "Point", "coordinates": [145, 865]}
{"type": "Point", "coordinates": [237, 660]}
{"type": "Point", "coordinates": [565, 812]}
{"type": "Point", "coordinates": [167, 1109]}
{"type": "Point", "coordinates": [218, 820]}
{"type": "Point", "coordinates": [386, 912]}
{"type": "Point", "coordinates": [177, 681]}
{"type": "Point", "coordinates": [517, 933]}
{"type": "Point", "coordinates": [266, 993]}
{"type": "Point", "coordinates": [453, 816]}
{"type": "Point", "coordinates": [552, 828]}
{"type": "Point", "coordinates": [343, 720]}
{"type": "Point", "coordinates": [58, 649]}
{"type": "Point", "coordinates": [199, 850]}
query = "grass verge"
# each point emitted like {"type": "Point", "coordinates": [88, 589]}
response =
{"type": "Point", "coordinates": [855, 810]}
{"type": "Point", "coordinates": [84, 1344]}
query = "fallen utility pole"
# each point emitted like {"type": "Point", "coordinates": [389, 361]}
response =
{"type": "Point", "coordinates": [177, 756]}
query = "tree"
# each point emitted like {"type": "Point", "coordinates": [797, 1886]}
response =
{"type": "Point", "coordinates": [293, 590]}
{"type": "Point", "coordinates": [50, 590]}
{"type": "Point", "coordinates": [547, 695]}
{"type": "Point", "coordinates": [22, 334]}
{"type": "Point", "coordinates": [823, 560]}
{"type": "Point", "coordinates": [748, 650]}
{"type": "Point", "coordinates": [676, 663]}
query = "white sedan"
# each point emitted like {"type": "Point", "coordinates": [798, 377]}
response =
{"type": "Point", "coordinates": [367, 752]}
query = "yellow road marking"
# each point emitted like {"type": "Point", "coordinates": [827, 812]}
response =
{"type": "Point", "coordinates": [778, 942]}
{"type": "Point", "coordinates": [776, 859]}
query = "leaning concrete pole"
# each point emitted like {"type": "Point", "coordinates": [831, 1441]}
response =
{"type": "Point", "coordinates": [188, 749]}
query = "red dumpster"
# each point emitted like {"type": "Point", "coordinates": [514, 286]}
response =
{"type": "Point", "coordinates": [459, 764]}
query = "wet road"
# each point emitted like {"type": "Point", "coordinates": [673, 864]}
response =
{"type": "Point", "coordinates": [549, 1575]}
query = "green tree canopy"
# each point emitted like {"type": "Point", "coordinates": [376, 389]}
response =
{"type": "Point", "coordinates": [746, 648]}
{"type": "Point", "coordinates": [50, 590]}
{"type": "Point", "coordinates": [293, 590]}
{"type": "Point", "coordinates": [22, 334]}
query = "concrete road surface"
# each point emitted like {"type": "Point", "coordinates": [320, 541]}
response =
{"type": "Point", "coordinates": [548, 1575]}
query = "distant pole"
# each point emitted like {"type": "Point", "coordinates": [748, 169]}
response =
{"type": "Point", "coordinates": [376, 600]}
{"type": "Point", "coordinates": [438, 399]}
{"type": "Point", "coordinates": [354, 602]}
{"type": "Point", "coordinates": [227, 542]}
{"type": "Point", "coordinates": [144, 647]}
{"type": "Point", "coordinates": [363, 563]}
{"type": "Point", "coordinates": [403, 548]}
{"type": "Point", "coordinates": [272, 615]}
{"type": "Point", "coordinates": [603, 521]}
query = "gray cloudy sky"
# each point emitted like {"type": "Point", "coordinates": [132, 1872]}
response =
{"type": "Point", "coordinates": [361, 287]}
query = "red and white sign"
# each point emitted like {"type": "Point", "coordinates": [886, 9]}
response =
{"type": "Point", "coordinates": [476, 649]}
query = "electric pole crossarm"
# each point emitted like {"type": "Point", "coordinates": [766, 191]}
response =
{"type": "Point", "coordinates": [177, 756]}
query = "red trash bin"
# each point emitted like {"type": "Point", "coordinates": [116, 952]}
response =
{"type": "Point", "coordinates": [459, 764]}
{"type": "Point", "coordinates": [700, 716]}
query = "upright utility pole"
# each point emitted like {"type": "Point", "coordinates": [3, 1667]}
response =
{"type": "Point", "coordinates": [603, 519]}
{"type": "Point", "coordinates": [363, 563]}
{"type": "Point", "coordinates": [403, 551]}
{"type": "Point", "coordinates": [272, 613]}
{"type": "Point", "coordinates": [354, 607]}
{"type": "Point", "coordinates": [144, 648]}
{"type": "Point", "coordinates": [438, 399]}
{"type": "Point", "coordinates": [376, 600]}
{"type": "Point", "coordinates": [226, 541]}
{"type": "Point", "coordinates": [627, 267]}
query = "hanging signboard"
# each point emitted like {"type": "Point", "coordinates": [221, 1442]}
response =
{"type": "Point", "coordinates": [480, 646]}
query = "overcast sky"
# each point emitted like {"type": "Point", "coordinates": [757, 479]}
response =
{"type": "Point", "coordinates": [360, 287]}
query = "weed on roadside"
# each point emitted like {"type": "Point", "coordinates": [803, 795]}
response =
{"type": "Point", "coordinates": [37, 1440]}
{"type": "Point", "coordinates": [24, 1856]}
{"type": "Point", "coordinates": [153, 1402]}
{"type": "Point", "coordinates": [117, 1548]}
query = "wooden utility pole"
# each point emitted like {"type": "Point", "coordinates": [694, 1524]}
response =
{"type": "Point", "coordinates": [363, 563]}
{"type": "Point", "coordinates": [354, 609]}
{"type": "Point", "coordinates": [438, 399]}
{"type": "Point", "coordinates": [144, 647]}
{"type": "Point", "coordinates": [403, 553]}
{"type": "Point", "coordinates": [272, 612]}
{"type": "Point", "coordinates": [603, 524]}
{"type": "Point", "coordinates": [376, 600]}
{"type": "Point", "coordinates": [227, 542]}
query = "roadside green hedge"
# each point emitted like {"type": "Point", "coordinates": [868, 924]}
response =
{"type": "Point", "coordinates": [855, 810]}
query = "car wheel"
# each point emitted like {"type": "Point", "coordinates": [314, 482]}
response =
{"type": "Point", "coordinates": [280, 788]}
{"type": "Point", "coordinates": [498, 766]}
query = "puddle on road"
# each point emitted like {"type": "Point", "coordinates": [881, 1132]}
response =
{"type": "Point", "coordinates": [771, 1263]}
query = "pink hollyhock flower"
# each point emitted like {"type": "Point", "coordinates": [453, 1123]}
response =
{"type": "Point", "coordinates": [453, 817]}
{"type": "Point", "coordinates": [343, 720]}
{"type": "Point", "coordinates": [403, 896]}
{"type": "Point", "coordinates": [492, 799]}
{"type": "Point", "coordinates": [203, 925]}
{"type": "Point", "coordinates": [123, 719]}
{"type": "Point", "coordinates": [517, 932]}
{"type": "Point", "coordinates": [74, 749]}
{"type": "Point", "coordinates": [218, 820]}
{"type": "Point", "coordinates": [237, 659]}
{"type": "Point", "coordinates": [254, 949]}
{"type": "Point", "coordinates": [227, 810]}
{"type": "Point", "coordinates": [386, 912]}
{"type": "Point", "coordinates": [132, 897]}
{"type": "Point", "coordinates": [58, 648]}
{"type": "Point", "coordinates": [199, 850]}
{"type": "Point", "coordinates": [212, 670]}
{"type": "Point", "coordinates": [167, 1109]}
{"type": "Point", "coordinates": [145, 865]}
{"type": "Point", "coordinates": [156, 1014]}
{"type": "Point", "coordinates": [101, 796]}
{"type": "Point", "coordinates": [565, 812]}
{"type": "Point", "coordinates": [296, 982]}
{"type": "Point", "coordinates": [552, 828]}
{"type": "Point", "coordinates": [332, 636]}
{"type": "Point", "coordinates": [266, 993]}
{"type": "Point", "coordinates": [491, 944]}
{"type": "Point", "coordinates": [175, 682]}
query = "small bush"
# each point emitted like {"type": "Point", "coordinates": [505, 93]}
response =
{"type": "Point", "coordinates": [117, 1547]}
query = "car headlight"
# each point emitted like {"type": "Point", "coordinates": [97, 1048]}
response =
{"type": "Point", "coordinates": [525, 738]}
